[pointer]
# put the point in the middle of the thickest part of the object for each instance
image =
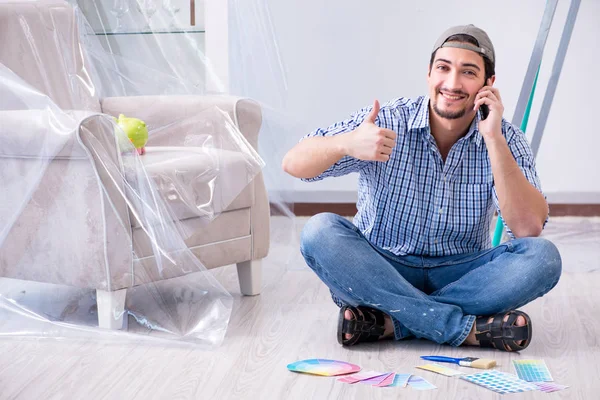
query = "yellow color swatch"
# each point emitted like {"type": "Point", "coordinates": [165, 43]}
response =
{"type": "Point", "coordinates": [440, 369]}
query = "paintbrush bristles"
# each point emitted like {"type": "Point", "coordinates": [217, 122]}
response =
{"type": "Point", "coordinates": [483, 363]}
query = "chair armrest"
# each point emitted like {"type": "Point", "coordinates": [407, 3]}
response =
{"type": "Point", "coordinates": [41, 134]}
{"type": "Point", "coordinates": [160, 111]}
{"type": "Point", "coordinates": [72, 195]}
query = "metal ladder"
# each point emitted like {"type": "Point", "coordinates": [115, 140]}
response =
{"type": "Point", "coordinates": [523, 108]}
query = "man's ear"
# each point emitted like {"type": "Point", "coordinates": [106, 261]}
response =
{"type": "Point", "coordinates": [491, 80]}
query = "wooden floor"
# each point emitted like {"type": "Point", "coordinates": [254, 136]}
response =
{"type": "Point", "coordinates": [295, 319]}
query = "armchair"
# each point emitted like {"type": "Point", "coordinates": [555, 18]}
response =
{"type": "Point", "coordinates": [108, 238]}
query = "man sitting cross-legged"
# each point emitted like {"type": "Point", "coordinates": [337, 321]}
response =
{"type": "Point", "coordinates": [417, 260]}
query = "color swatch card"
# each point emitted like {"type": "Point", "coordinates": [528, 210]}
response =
{"type": "Point", "coordinates": [400, 380]}
{"type": "Point", "coordinates": [548, 387]}
{"type": "Point", "coordinates": [440, 369]}
{"type": "Point", "coordinates": [500, 382]}
{"type": "Point", "coordinates": [323, 367]}
{"type": "Point", "coordinates": [377, 380]}
{"type": "Point", "coordinates": [387, 381]}
{"type": "Point", "coordinates": [532, 370]}
{"type": "Point", "coordinates": [361, 376]}
{"type": "Point", "coordinates": [418, 383]}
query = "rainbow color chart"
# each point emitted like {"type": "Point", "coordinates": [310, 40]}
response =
{"type": "Point", "coordinates": [323, 367]}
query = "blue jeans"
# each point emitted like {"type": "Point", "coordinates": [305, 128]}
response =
{"type": "Point", "coordinates": [435, 298]}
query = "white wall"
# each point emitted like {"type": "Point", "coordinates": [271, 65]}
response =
{"type": "Point", "coordinates": [339, 55]}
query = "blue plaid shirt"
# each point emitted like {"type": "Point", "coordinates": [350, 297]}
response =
{"type": "Point", "coordinates": [417, 204]}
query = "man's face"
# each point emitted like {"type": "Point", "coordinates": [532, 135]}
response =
{"type": "Point", "coordinates": [455, 78]}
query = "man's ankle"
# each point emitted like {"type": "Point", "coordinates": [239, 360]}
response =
{"type": "Point", "coordinates": [388, 326]}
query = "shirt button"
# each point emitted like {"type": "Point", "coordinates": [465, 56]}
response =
{"type": "Point", "coordinates": [441, 210]}
{"type": "Point", "coordinates": [435, 241]}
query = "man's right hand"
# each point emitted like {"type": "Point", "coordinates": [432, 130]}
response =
{"type": "Point", "coordinates": [314, 155]}
{"type": "Point", "coordinates": [368, 141]}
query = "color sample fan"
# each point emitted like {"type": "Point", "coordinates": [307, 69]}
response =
{"type": "Point", "coordinates": [323, 367]}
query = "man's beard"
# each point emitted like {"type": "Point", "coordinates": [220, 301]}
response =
{"type": "Point", "coordinates": [449, 114]}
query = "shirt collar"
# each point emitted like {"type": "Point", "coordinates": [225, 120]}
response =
{"type": "Point", "coordinates": [420, 117]}
{"type": "Point", "coordinates": [420, 120]}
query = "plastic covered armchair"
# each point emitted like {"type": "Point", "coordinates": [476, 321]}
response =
{"type": "Point", "coordinates": [79, 226]}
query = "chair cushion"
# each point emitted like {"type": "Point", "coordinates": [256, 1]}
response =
{"type": "Point", "coordinates": [199, 182]}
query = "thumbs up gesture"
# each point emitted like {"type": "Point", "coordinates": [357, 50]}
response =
{"type": "Point", "coordinates": [370, 142]}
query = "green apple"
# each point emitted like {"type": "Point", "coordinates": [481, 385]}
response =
{"type": "Point", "coordinates": [136, 131]}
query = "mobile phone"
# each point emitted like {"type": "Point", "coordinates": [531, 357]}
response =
{"type": "Point", "coordinates": [485, 111]}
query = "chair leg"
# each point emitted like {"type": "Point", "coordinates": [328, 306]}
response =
{"type": "Point", "coordinates": [250, 277]}
{"type": "Point", "coordinates": [111, 308]}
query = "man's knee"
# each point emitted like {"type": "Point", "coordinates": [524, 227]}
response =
{"type": "Point", "coordinates": [546, 261]}
{"type": "Point", "coordinates": [317, 230]}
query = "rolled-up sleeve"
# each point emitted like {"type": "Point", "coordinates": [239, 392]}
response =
{"type": "Point", "coordinates": [523, 155]}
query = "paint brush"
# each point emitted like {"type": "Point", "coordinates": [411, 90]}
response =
{"type": "Point", "coordinates": [481, 363]}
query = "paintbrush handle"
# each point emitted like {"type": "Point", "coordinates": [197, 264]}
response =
{"type": "Point", "coordinates": [442, 359]}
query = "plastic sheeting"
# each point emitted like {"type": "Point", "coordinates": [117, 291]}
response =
{"type": "Point", "coordinates": [90, 238]}
{"type": "Point", "coordinates": [182, 65]}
